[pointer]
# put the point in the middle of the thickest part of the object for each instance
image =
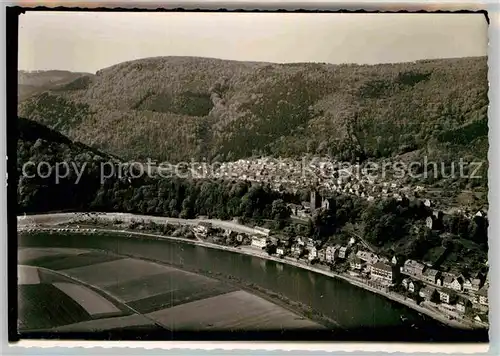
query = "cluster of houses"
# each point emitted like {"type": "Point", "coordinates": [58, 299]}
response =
{"type": "Point", "coordinates": [454, 289]}
{"type": "Point", "coordinates": [205, 229]}
{"type": "Point", "coordinates": [456, 292]}
{"type": "Point", "coordinates": [318, 175]}
{"type": "Point", "coordinates": [324, 173]}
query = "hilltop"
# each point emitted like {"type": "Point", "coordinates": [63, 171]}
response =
{"type": "Point", "coordinates": [178, 108]}
{"type": "Point", "coordinates": [36, 82]}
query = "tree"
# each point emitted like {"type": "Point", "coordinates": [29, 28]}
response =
{"type": "Point", "coordinates": [435, 297]}
{"type": "Point", "coordinates": [280, 211]}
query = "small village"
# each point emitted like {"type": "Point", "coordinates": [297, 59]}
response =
{"type": "Point", "coordinates": [324, 175]}
{"type": "Point", "coordinates": [455, 296]}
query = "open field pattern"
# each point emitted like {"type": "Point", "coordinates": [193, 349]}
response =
{"type": "Point", "coordinates": [237, 310]}
{"type": "Point", "coordinates": [121, 322]}
{"type": "Point", "coordinates": [113, 272]}
{"type": "Point", "coordinates": [27, 254]}
{"type": "Point", "coordinates": [180, 296]}
{"type": "Point", "coordinates": [149, 286]}
{"type": "Point", "coordinates": [51, 277]}
{"type": "Point", "coordinates": [59, 262]}
{"type": "Point", "coordinates": [93, 303]}
{"type": "Point", "coordinates": [27, 275]}
{"type": "Point", "coordinates": [43, 306]}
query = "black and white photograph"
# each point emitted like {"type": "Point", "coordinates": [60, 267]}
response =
{"type": "Point", "coordinates": [251, 176]}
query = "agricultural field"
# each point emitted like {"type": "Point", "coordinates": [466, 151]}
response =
{"type": "Point", "coordinates": [81, 290]}
{"type": "Point", "coordinates": [237, 310]}
{"type": "Point", "coordinates": [149, 286]}
{"type": "Point", "coordinates": [118, 271]}
{"type": "Point", "coordinates": [121, 322]}
{"type": "Point", "coordinates": [24, 255]}
{"type": "Point", "coordinates": [27, 275]}
{"type": "Point", "coordinates": [43, 306]}
{"type": "Point", "coordinates": [63, 262]}
{"type": "Point", "coordinates": [93, 303]}
{"type": "Point", "coordinates": [186, 294]}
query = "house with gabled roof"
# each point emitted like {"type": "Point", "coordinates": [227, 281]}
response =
{"type": "Point", "coordinates": [431, 275]}
{"type": "Point", "coordinates": [457, 284]}
{"type": "Point", "coordinates": [355, 263]}
{"type": "Point", "coordinates": [344, 252]}
{"type": "Point", "coordinates": [446, 295]}
{"type": "Point", "coordinates": [331, 253]}
{"type": "Point", "coordinates": [413, 267]}
{"type": "Point", "coordinates": [483, 295]}
{"type": "Point", "coordinates": [463, 305]}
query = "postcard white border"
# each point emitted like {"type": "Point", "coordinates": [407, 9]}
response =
{"type": "Point", "coordinates": [44, 347]}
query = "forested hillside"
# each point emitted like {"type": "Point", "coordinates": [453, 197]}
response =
{"type": "Point", "coordinates": [178, 108]}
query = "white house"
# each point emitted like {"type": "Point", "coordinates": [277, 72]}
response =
{"type": "Point", "coordinates": [445, 295]}
{"type": "Point", "coordinates": [356, 263]}
{"type": "Point", "coordinates": [463, 305]}
{"type": "Point", "coordinates": [456, 284]}
{"type": "Point", "coordinates": [483, 296]}
{"type": "Point", "coordinates": [343, 252]}
{"type": "Point", "coordinates": [413, 267]}
{"type": "Point", "coordinates": [467, 284]}
{"type": "Point", "coordinates": [259, 242]}
{"type": "Point", "coordinates": [313, 253]}
{"type": "Point", "coordinates": [475, 284]}
{"type": "Point", "coordinates": [331, 253]}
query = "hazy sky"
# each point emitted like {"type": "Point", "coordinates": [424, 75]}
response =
{"type": "Point", "coordinates": [91, 41]}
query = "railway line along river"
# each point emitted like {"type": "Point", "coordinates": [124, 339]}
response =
{"type": "Point", "coordinates": [366, 315]}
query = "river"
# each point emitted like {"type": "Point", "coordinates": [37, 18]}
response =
{"type": "Point", "coordinates": [367, 315]}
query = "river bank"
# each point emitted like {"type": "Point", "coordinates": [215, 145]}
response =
{"type": "Point", "coordinates": [250, 251]}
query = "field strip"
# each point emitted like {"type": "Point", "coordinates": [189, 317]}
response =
{"type": "Point", "coordinates": [138, 289]}
{"type": "Point", "coordinates": [42, 306]}
{"type": "Point", "coordinates": [65, 262]}
{"type": "Point", "coordinates": [31, 253]}
{"type": "Point", "coordinates": [107, 324]}
{"type": "Point", "coordinates": [118, 271]}
{"type": "Point", "coordinates": [27, 275]}
{"type": "Point", "coordinates": [89, 300]}
{"type": "Point", "coordinates": [76, 280]}
{"type": "Point", "coordinates": [230, 311]}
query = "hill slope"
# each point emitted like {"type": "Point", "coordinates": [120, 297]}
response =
{"type": "Point", "coordinates": [31, 83]}
{"type": "Point", "coordinates": [38, 190]}
{"type": "Point", "coordinates": [178, 108]}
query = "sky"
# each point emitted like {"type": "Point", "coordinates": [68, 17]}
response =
{"type": "Point", "coordinates": [87, 42]}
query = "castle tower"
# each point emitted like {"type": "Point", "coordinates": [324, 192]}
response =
{"type": "Point", "coordinates": [313, 201]}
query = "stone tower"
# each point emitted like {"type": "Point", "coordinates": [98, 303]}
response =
{"type": "Point", "coordinates": [313, 201]}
